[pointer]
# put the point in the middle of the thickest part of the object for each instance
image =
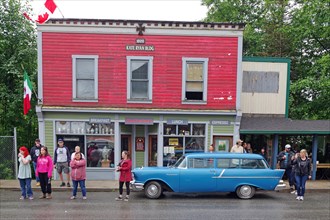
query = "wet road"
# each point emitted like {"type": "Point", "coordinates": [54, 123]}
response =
{"type": "Point", "coordinates": [102, 205]}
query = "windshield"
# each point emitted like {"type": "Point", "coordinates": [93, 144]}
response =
{"type": "Point", "coordinates": [181, 163]}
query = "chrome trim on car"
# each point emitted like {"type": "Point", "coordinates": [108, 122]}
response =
{"type": "Point", "coordinates": [280, 186]}
{"type": "Point", "coordinates": [136, 186]}
{"type": "Point", "coordinates": [220, 175]}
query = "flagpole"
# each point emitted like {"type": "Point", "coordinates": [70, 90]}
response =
{"type": "Point", "coordinates": [60, 11]}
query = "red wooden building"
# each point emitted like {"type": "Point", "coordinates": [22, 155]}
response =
{"type": "Point", "coordinates": [155, 88]}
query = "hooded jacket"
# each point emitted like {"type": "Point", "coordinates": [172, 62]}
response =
{"type": "Point", "coordinates": [78, 169]}
{"type": "Point", "coordinates": [44, 165]}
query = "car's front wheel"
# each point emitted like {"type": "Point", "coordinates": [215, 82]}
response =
{"type": "Point", "coordinates": [245, 191]}
{"type": "Point", "coordinates": [153, 190]}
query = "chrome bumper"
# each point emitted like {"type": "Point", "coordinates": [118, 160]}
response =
{"type": "Point", "coordinates": [136, 186]}
{"type": "Point", "coordinates": [280, 186]}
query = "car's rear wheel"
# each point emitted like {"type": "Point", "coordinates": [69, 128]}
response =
{"type": "Point", "coordinates": [245, 191]}
{"type": "Point", "coordinates": [153, 190]}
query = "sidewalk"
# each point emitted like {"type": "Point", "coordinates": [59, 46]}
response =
{"type": "Point", "coordinates": [112, 185]}
{"type": "Point", "coordinates": [91, 185]}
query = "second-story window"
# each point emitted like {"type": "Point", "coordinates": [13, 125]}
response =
{"type": "Point", "coordinates": [85, 78]}
{"type": "Point", "coordinates": [139, 79]}
{"type": "Point", "coordinates": [194, 84]}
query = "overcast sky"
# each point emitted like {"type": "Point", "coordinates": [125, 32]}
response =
{"type": "Point", "coordinates": [172, 10]}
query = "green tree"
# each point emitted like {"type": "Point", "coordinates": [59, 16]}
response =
{"type": "Point", "coordinates": [17, 48]}
{"type": "Point", "coordinates": [298, 29]}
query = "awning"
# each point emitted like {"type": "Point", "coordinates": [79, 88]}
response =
{"type": "Point", "coordinates": [280, 125]}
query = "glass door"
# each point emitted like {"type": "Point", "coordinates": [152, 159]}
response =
{"type": "Point", "coordinates": [126, 144]}
{"type": "Point", "coordinates": [152, 157]}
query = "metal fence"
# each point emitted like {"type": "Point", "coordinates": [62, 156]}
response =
{"type": "Point", "coordinates": [8, 156]}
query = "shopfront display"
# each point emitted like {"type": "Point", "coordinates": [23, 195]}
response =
{"type": "Point", "coordinates": [181, 138]}
{"type": "Point", "coordinates": [96, 140]}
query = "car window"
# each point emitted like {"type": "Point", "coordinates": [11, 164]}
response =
{"type": "Point", "coordinates": [200, 163]}
{"type": "Point", "coordinates": [252, 164]}
{"type": "Point", "coordinates": [224, 163]}
{"type": "Point", "coordinates": [241, 163]}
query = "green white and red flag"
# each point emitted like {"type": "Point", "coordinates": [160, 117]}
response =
{"type": "Point", "coordinates": [27, 93]}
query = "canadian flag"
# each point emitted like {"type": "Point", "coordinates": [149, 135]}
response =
{"type": "Point", "coordinates": [44, 14]}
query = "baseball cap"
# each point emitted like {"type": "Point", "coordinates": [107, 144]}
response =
{"type": "Point", "coordinates": [37, 140]}
{"type": "Point", "coordinates": [287, 146]}
{"type": "Point", "coordinates": [60, 139]}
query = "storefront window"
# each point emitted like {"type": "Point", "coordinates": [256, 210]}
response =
{"type": "Point", "coordinates": [96, 141]}
{"type": "Point", "coordinates": [181, 139]}
{"type": "Point", "coordinates": [100, 151]}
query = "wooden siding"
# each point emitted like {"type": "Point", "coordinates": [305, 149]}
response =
{"type": "Point", "coordinates": [139, 157]}
{"type": "Point", "coordinates": [58, 49]}
{"type": "Point", "coordinates": [49, 137]}
{"type": "Point", "coordinates": [223, 130]}
{"type": "Point", "coordinates": [266, 103]}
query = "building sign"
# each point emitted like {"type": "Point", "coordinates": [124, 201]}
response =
{"type": "Point", "coordinates": [100, 121]}
{"type": "Point", "coordinates": [140, 47]}
{"type": "Point", "coordinates": [139, 144]}
{"type": "Point", "coordinates": [173, 141]}
{"type": "Point", "coordinates": [71, 139]}
{"type": "Point", "coordinates": [139, 121]}
{"type": "Point", "coordinates": [140, 41]}
{"type": "Point", "coordinates": [177, 122]}
{"type": "Point", "coordinates": [220, 123]}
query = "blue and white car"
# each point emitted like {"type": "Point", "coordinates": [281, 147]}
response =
{"type": "Point", "coordinates": [209, 172]}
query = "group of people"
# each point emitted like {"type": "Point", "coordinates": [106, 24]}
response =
{"type": "Point", "coordinates": [298, 169]}
{"type": "Point", "coordinates": [241, 147]}
{"type": "Point", "coordinates": [43, 165]}
{"type": "Point", "coordinates": [297, 165]}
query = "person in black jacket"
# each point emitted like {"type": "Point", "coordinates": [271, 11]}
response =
{"type": "Point", "coordinates": [285, 157]}
{"type": "Point", "coordinates": [302, 172]}
{"type": "Point", "coordinates": [35, 152]}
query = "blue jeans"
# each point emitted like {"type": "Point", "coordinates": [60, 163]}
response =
{"type": "Point", "coordinates": [75, 187]}
{"type": "Point", "coordinates": [288, 173]}
{"type": "Point", "coordinates": [26, 187]}
{"type": "Point", "coordinates": [34, 167]}
{"type": "Point", "coordinates": [300, 183]}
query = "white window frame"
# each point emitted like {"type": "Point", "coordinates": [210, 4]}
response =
{"type": "Point", "coordinates": [205, 62]}
{"type": "Point", "coordinates": [74, 78]}
{"type": "Point", "coordinates": [150, 74]}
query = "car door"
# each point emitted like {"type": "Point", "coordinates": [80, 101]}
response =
{"type": "Point", "coordinates": [198, 176]}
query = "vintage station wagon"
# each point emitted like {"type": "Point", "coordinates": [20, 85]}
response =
{"type": "Point", "coordinates": [209, 172]}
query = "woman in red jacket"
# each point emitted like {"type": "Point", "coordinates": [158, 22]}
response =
{"type": "Point", "coordinates": [124, 167]}
{"type": "Point", "coordinates": [78, 175]}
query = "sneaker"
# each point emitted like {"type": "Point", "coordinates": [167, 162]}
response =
{"type": "Point", "coordinates": [84, 197]}
{"type": "Point", "coordinates": [22, 198]}
{"type": "Point", "coordinates": [294, 192]}
{"type": "Point", "coordinates": [298, 198]}
{"type": "Point", "coordinates": [126, 199]}
{"type": "Point", "coordinates": [43, 196]}
{"type": "Point", "coordinates": [49, 196]}
{"type": "Point", "coordinates": [30, 197]}
{"type": "Point", "coordinates": [68, 184]}
{"type": "Point", "coordinates": [62, 184]}
{"type": "Point", "coordinates": [119, 198]}
{"type": "Point", "coordinates": [37, 184]}
{"type": "Point", "coordinates": [73, 197]}
{"type": "Point", "coordinates": [301, 198]}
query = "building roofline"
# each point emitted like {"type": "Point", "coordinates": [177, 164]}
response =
{"type": "Point", "coordinates": [147, 23]}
